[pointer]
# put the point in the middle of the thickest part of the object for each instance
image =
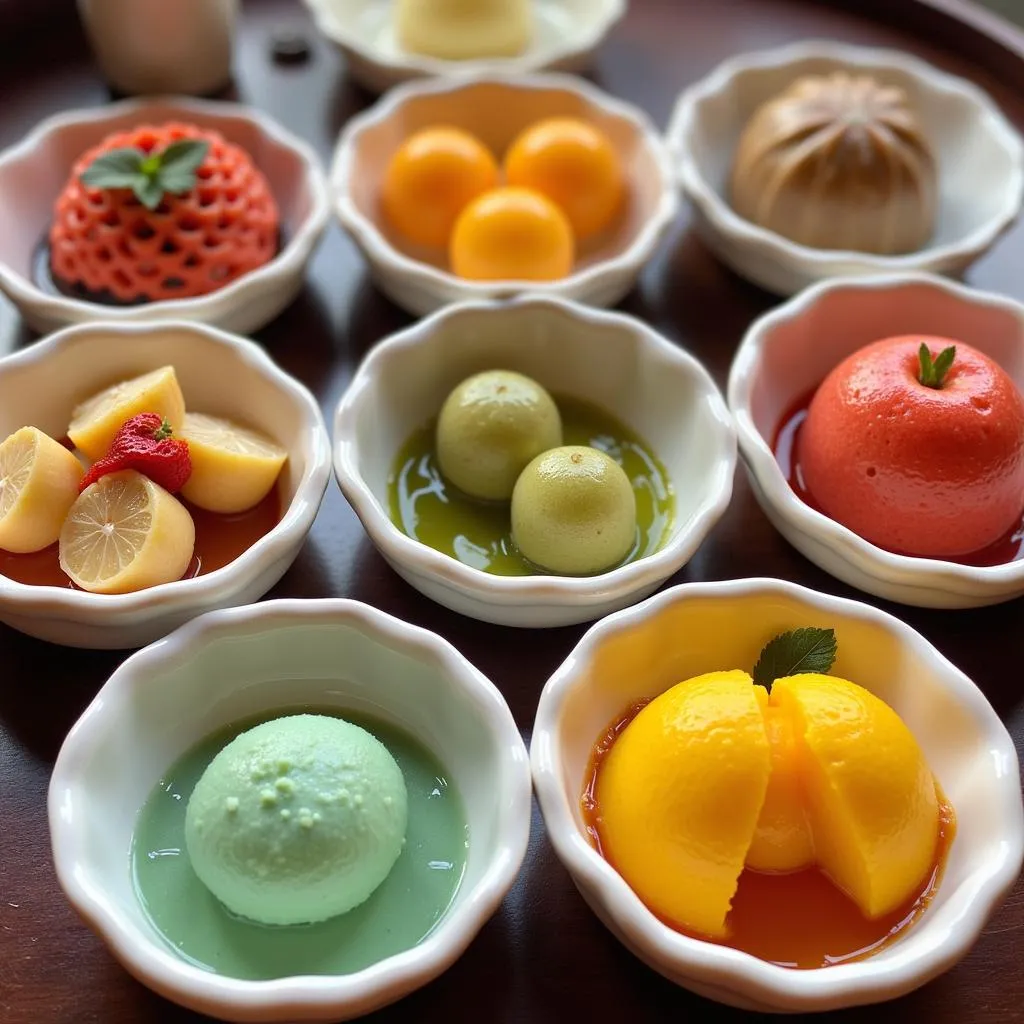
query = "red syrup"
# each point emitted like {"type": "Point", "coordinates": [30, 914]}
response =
{"type": "Point", "coordinates": [786, 448]}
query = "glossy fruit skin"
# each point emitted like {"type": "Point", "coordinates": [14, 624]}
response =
{"type": "Point", "coordinates": [921, 471]}
{"type": "Point", "coordinates": [512, 234]}
{"type": "Point", "coordinates": [431, 179]}
{"type": "Point", "coordinates": [145, 445]}
{"type": "Point", "coordinates": [575, 165]}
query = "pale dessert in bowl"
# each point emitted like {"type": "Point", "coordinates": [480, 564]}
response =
{"type": "Point", "coordinates": [464, 29]}
{"type": "Point", "coordinates": [100, 512]}
{"type": "Point", "coordinates": [513, 481]}
{"type": "Point", "coordinates": [296, 809]}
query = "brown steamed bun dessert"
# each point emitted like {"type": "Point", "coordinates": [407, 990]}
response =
{"type": "Point", "coordinates": [839, 162]}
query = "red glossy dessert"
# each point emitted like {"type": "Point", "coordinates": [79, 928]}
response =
{"type": "Point", "coordinates": [919, 452]}
{"type": "Point", "coordinates": [156, 218]}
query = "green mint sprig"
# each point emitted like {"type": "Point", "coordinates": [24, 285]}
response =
{"type": "Point", "coordinates": [800, 650]}
{"type": "Point", "coordinates": [933, 371]}
{"type": "Point", "coordinates": [149, 175]}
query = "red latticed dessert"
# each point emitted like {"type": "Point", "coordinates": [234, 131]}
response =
{"type": "Point", "coordinates": [161, 212]}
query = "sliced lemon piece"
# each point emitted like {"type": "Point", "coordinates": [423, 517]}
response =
{"type": "Point", "coordinates": [126, 533]}
{"type": "Point", "coordinates": [96, 420]}
{"type": "Point", "coordinates": [39, 481]}
{"type": "Point", "coordinates": [233, 468]}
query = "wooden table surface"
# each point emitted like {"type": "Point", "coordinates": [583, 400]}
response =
{"type": "Point", "coordinates": [544, 957]}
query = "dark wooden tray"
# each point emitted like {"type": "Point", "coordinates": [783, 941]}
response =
{"type": "Point", "coordinates": [544, 957]}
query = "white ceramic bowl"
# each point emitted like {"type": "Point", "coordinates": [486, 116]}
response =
{"type": "Point", "coordinates": [609, 359]}
{"type": "Point", "coordinates": [701, 627]}
{"type": "Point", "coordinates": [232, 665]}
{"type": "Point", "coordinates": [566, 34]}
{"type": "Point", "coordinates": [219, 374]}
{"type": "Point", "coordinates": [496, 108]}
{"type": "Point", "coordinates": [788, 352]}
{"type": "Point", "coordinates": [980, 157]}
{"type": "Point", "coordinates": [33, 173]}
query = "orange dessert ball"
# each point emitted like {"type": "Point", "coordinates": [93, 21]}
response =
{"type": "Point", "coordinates": [429, 181]}
{"type": "Point", "coordinates": [512, 234]}
{"type": "Point", "coordinates": [929, 469]}
{"type": "Point", "coordinates": [574, 165]}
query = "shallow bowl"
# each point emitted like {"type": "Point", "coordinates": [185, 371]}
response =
{"type": "Point", "coordinates": [980, 157]}
{"type": "Point", "coordinates": [495, 108]}
{"type": "Point", "coordinates": [220, 374]}
{"type": "Point", "coordinates": [231, 665]}
{"type": "Point", "coordinates": [610, 360]}
{"type": "Point", "coordinates": [33, 173]}
{"type": "Point", "coordinates": [788, 352]}
{"type": "Point", "coordinates": [566, 34]}
{"type": "Point", "coordinates": [700, 627]}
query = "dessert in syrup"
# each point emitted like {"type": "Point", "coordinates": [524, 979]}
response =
{"type": "Point", "coordinates": [917, 445]}
{"type": "Point", "coordinates": [788, 813]}
{"type": "Point", "coordinates": [143, 492]}
{"type": "Point", "coordinates": [513, 481]}
{"type": "Point", "coordinates": [464, 29]}
{"type": "Point", "coordinates": [161, 212]}
{"type": "Point", "coordinates": [838, 161]}
{"type": "Point", "coordinates": [303, 844]}
{"type": "Point", "coordinates": [561, 185]}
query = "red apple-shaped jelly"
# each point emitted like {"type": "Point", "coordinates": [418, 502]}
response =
{"type": "Point", "coordinates": [915, 453]}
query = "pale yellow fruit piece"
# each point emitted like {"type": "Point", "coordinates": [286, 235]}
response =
{"type": "Point", "coordinates": [126, 533]}
{"type": "Point", "coordinates": [870, 796]}
{"type": "Point", "coordinates": [680, 794]}
{"type": "Point", "coordinates": [96, 420]}
{"type": "Point", "coordinates": [233, 467]}
{"type": "Point", "coordinates": [39, 481]}
{"type": "Point", "coordinates": [464, 29]}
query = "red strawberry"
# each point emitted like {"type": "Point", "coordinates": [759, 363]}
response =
{"type": "Point", "coordinates": [144, 443]}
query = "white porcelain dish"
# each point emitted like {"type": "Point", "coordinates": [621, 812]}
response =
{"type": "Point", "coordinates": [280, 655]}
{"type": "Point", "coordinates": [609, 359]}
{"type": "Point", "coordinates": [979, 153]}
{"type": "Point", "coordinates": [788, 352]}
{"type": "Point", "coordinates": [495, 108]}
{"type": "Point", "coordinates": [33, 172]}
{"type": "Point", "coordinates": [566, 35]}
{"type": "Point", "coordinates": [701, 627]}
{"type": "Point", "coordinates": [219, 374]}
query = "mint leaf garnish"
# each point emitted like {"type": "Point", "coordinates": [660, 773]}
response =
{"type": "Point", "coordinates": [800, 650]}
{"type": "Point", "coordinates": [933, 371]}
{"type": "Point", "coordinates": [149, 175]}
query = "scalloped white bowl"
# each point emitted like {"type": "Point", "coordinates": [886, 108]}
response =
{"type": "Point", "coordinates": [611, 360]}
{"type": "Point", "coordinates": [789, 351]}
{"type": "Point", "coordinates": [33, 172]}
{"type": "Point", "coordinates": [980, 157]}
{"type": "Point", "coordinates": [701, 627]}
{"type": "Point", "coordinates": [566, 35]}
{"type": "Point", "coordinates": [219, 374]}
{"type": "Point", "coordinates": [495, 108]}
{"type": "Point", "coordinates": [231, 665]}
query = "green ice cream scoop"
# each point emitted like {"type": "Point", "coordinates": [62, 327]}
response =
{"type": "Point", "coordinates": [297, 820]}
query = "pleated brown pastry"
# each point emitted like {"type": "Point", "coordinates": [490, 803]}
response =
{"type": "Point", "coordinates": [838, 162]}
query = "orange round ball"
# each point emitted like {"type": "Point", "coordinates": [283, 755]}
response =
{"type": "Point", "coordinates": [430, 180]}
{"type": "Point", "coordinates": [512, 234]}
{"type": "Point", "coordinates": [575, 165]}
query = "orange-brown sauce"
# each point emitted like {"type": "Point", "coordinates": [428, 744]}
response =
{"type": "Point", "coordinates": [220, 539]}
{"type": "Point", "coordinates": [802, 919]}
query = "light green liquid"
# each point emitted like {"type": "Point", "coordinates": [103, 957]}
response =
{"type": "Point", "coordinates": [400, 913]}
{"type": "Point", "coordinates": [479, 533]}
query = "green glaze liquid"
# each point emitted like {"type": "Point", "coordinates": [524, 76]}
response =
{"type": "Point", "coordinates": [479, 533]}
{"type": "Point", "coordinates": [399, 914]}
